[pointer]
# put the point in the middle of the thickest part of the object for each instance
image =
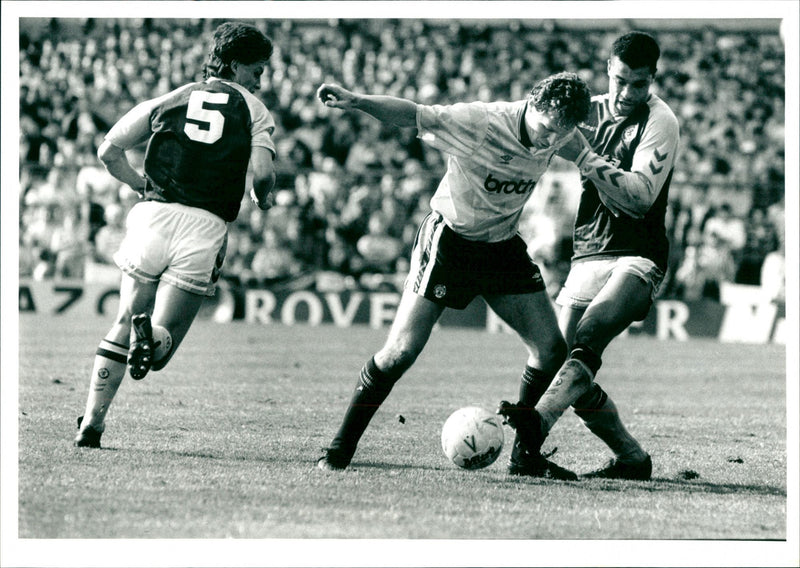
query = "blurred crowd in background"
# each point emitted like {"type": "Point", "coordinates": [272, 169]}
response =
{"type": "Point", "coordinates": [351, 192]}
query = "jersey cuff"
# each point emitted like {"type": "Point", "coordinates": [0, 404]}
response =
{"type": "Point", "coordinates": [580, 161]}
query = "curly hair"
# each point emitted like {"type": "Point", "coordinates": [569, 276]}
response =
{"type": "Point", "coordinates": [564, 94]}
{"type": "Point", "coordinates": [637, 50]}
{"type": "Point", "coordinates": [236, 41]}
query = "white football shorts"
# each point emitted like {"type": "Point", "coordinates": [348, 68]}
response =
{"type": "Point", "coordinates": [587, 278]}
{"type": "Point", "coordinates": [183, 246]}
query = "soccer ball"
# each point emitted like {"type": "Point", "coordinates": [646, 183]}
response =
{"type": "Point", "coordinates": [162, 343]}
{"type": "Point", "coordinates": [472, 437]}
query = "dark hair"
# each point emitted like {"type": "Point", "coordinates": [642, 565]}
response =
{"type": "Point", "coordinates": [566, 94]}
{"type": "Point", "coordinates": [236, 41]}
{"type": "Point", "coordinates": [637, 50]}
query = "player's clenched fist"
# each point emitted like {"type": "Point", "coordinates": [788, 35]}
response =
{"type": "Point", "coordinates": [335, 96]}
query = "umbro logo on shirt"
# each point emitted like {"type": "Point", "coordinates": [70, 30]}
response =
{"type": "Point", "coordinates": [506, 158]}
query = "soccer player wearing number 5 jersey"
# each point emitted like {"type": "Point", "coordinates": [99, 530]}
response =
{"type": "Point", "coordinates": [201, 140]}
{"type": "Point", "coordinates": [625, 153]}
{"type": "Point", "coordinates": [468, 245]}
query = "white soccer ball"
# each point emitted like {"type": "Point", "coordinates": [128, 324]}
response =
{"type": "Point", "coordinates": [472, 437]}
{"type": "Point", "coordinates": [162, 343]}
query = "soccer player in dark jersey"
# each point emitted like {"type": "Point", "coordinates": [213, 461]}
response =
{"type": "Point", "coordinates": [201, 139]}
{"type": "Point", "coordinates": [469, 245]}
{"type": "Point", "coordinates": [625, 152]}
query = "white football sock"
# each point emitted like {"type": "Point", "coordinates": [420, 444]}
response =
{"type": "Point", "coordinates": [572, 380]}
{"type": "Point", "coordinates": [604, 423]}
{"type": "Point", "coordinates": [107, 374]}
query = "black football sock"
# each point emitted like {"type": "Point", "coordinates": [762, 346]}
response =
{"type": "Point", "coordinates": [372, 389]}
{"type": "Point", "coordinates": [532, 386]}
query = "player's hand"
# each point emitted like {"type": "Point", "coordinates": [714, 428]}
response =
{"type": "Point", "coordinates": [335, 96]}
{"type": "Point", "coordinates": [572, 146]}
{"type": "Point", "coordinates": [140, 188]}
{"type": "Point", "coordinates": [267, 203]}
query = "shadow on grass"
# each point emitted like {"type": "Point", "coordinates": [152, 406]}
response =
{"type": "Point", "coordinates": [694, 486]}
{"type": "Point", "coordinates": [204, 455]}
{"type": "Point", "coordinates": [398, 466]}
{"type": "Point", "coordinates": [663, 485]}
{"type": "Point", "coordinates": [655, 485]}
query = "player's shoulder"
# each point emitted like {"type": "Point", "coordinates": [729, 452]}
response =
{"type": "Point", "coordinates": [473, 113]}
{"type": "Point", "coordinates": [503, 108]}
{"type": "Point", "coordinates": [232, 87]}
{"type": "Point", "coordinates": [503, 112]}
{"type": "Point", "coordinates": [255, 105]}
{"type": "Point", "coordinates": [661, 113]}
{"type": "Point", "coordinates": [660, 108]}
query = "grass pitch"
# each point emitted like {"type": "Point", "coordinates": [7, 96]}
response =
{"type": "Point", "coordinates": [223, 442]}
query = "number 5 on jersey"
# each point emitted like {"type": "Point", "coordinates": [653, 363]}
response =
{"type": "Point", "coordinates": [206, 124]}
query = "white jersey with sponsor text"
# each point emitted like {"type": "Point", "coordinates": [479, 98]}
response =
{"type": "Point", "coordinates": [490, 173]}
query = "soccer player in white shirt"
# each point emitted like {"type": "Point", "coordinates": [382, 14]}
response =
{"type": "Point", "coordinates": [625, 152]}
{"type": "Point", "coordinates": [468, 245]}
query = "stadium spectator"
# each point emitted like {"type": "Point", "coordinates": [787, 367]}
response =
{"type": "Point", "coordinates": [69, 245]}
{"type": "Point", "coordinates": [761, 239]}
{"type": "Point", "coordinates": [773, 276]}
{"type": "Point", "coordinates": [109, 237]}
{"type": "Point", "coordinates": [773, 270]}
{"type": "Point", "coordinates": [380, 250]}
{"type": "Point", "coordinates": [626, 161]}
{"type": "Point", "coordinates": [728, 229]}
{"type": "Point", "coordinates": [193, 184]}
{"type": "Point", "coordinates": [239, 253]}
{"type": "Point", "coordinates": [273, 261]}
{"type": "Point", "coordinates": [469, 244]}
{"type": "Point", "coordinates": [706, 264]}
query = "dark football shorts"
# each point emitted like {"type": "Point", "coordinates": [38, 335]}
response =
{"type": "Point", "coordinates": [451, 270]}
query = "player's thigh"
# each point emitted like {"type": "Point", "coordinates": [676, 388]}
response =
{"type": "Point", "coordinates": [135, 297]}
{"type": "Point", "coordinates": [175, 309]}
{"type": "Point", "coordinates": [411, 328]}
{"type": "Point", "coordinates": [619, 303]}
{"type": "Point", "coordinates": [533, 318]}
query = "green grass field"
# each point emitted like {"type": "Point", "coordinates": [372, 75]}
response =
{"type": "Point", "coordinates": [223, 442]}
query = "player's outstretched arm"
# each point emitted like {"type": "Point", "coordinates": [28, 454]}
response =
{"type": "Point", "coordinates": [391, 110]}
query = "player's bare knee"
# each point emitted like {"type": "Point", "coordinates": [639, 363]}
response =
{"type": "Point", "coordinates": [396, 359]}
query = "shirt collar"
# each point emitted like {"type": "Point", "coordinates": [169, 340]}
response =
{"type": "Point", "coordinates": [524, 137]}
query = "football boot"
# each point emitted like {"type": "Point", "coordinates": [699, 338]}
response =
{"type": "Point", "coordinates": [525, 463]}
{"type": "Point", "coordinates": [616, 469]}
{"type": "Point", "coordinates": [526, 422]}
{"type": "Point", "coordinates": [89, 437]}
{"type": "Point", "coordinates": [526, 458]}
{"type": "Point", "coordinates": [335, 459]}
{"type": "Point", "coordinates": [140, 354]}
